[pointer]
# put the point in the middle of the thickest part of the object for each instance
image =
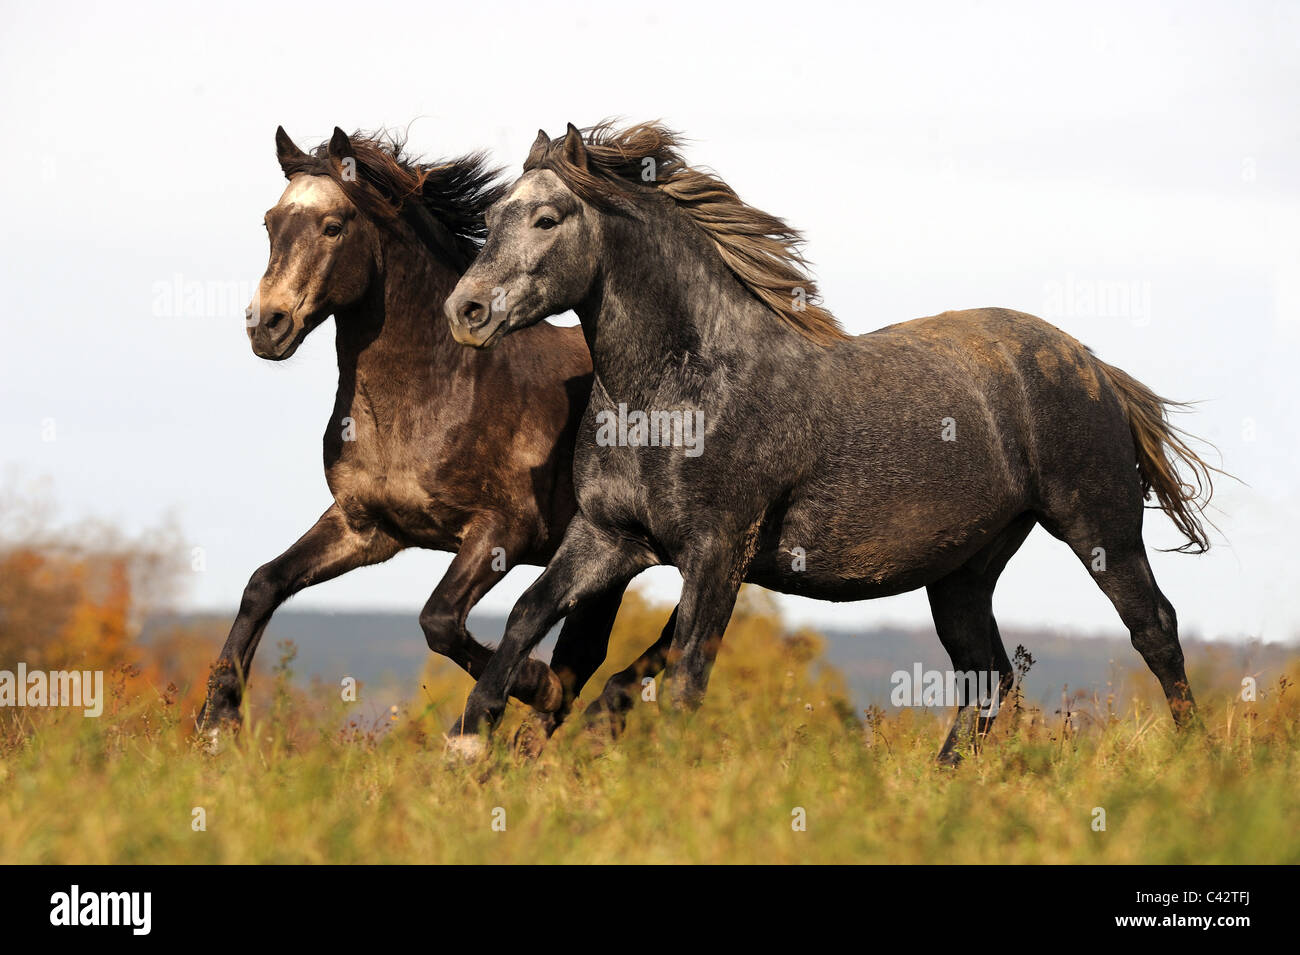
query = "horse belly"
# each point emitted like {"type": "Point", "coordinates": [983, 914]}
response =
{"type": "Point", "coordinates": [878, 551]}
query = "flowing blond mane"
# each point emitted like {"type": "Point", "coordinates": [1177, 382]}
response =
{"type": "Point", "coordinates": [761, 250]}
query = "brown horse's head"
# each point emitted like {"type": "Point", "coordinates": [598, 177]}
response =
{"type": "Point", "coordinates": [323, 251]}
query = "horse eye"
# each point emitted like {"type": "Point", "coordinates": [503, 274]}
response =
{"type": "Point", "coordinates": [333, 229]}
{"type": "Point", "coordinates": [546, 222]}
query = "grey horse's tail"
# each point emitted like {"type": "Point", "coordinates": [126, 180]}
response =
{"type": "Point", "coordinates": [1161, 449]}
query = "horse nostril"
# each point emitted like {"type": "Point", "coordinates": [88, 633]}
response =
{"type": "Point", "coordinates": [276, 322]}
{"type": "Point", "coordinates": [473, 313]}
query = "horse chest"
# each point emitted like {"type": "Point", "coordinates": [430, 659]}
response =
{"type": "Point", "coordinates": [371, 490]}
{"type": "Point", "coordinates": [631, 487]}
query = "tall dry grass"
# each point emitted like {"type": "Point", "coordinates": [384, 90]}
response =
{"type": "Point", "coordinates": [775, 743]}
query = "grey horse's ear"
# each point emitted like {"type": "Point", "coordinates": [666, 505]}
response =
{"type": "Point", "coordinates": [285, 151]}
{"type": "Point", "coordinates": [574, 149]}
{"type": "Point", "coordinates": [540, 145]}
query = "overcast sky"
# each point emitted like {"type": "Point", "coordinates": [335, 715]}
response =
{"type": "Point", "coordinates": [1130, 172]}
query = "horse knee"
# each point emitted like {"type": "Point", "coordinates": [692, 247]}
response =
{"type": "Point", "coordinates": [442, 629]}
{"type": "Point", "coordinates": [529, 620]}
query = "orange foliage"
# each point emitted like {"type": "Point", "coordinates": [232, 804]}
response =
{"type": "Point", "coordinates": [67, 606]}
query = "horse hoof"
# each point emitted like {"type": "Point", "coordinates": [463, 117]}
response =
{"type": "Point", "coordinates": [551, 695]}
{"type": "Point", "coordinates": [466, 748]}
{"type": "Point", "coordinates": [214, 735]}
{"type": "Point", "coordinates": [209, 741]}
{"type": "Point", "coordinates": [530, 738]}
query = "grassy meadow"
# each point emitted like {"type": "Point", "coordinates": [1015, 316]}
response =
{"type": "Point", "coordinates": [776, 768]}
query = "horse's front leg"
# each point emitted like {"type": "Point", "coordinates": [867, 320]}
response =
{"type": "Point", "coordinates": [582, 647]}
{"type": "Point", "coordinates": [711, 577]}
{"type": "Point", "coordinates": [330, 548]}
{"type": "Point", "coordinates": [471, 575]}
{"type": "Point", "coordinates": [589, 562]}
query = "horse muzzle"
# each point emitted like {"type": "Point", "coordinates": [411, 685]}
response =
{"type": "Point", "coordinates": [276, 334]}
{"type": "Point", "coordinates": [474, 322]}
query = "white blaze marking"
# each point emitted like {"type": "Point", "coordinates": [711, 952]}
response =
{"type": "Point", "coordinates": [312, 192]}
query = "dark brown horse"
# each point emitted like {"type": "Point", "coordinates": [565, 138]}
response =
{"type": "Point", "coordinates": [830, 466]}
{"type": "Point", "coordinates": [429, 444]}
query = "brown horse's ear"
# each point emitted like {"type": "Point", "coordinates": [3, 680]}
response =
{"type": "Point", "coordinates": [538, 152]}
{"type": "Point", "coordinates": [343, 156]}
{"type": "Point", "coordinates": [288, 154]}
{"type": "Point", "coordinates": [574, 150]}
{"type": "Point", "coordinates": [341, 145]}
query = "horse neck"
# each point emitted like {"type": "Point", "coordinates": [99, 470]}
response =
{"type": "Point", "coordinates": [663, 295]}
{"type": "Point", "coordinates": [396, 338]}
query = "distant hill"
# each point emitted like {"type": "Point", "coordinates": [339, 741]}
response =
{"type": "Point", "coordinates": [386, 650]}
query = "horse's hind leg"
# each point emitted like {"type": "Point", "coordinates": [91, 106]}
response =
{"type": "Point", "coordinates": [1117, 560]}
{"type": "Point", "coordinates": [962, 605]}
{"type": "Point", "coordinates": [330, 548]}
{"type": "Point", "coordinates": [470, 576]}
{"type": "Point", "coordinates": [609, 710]}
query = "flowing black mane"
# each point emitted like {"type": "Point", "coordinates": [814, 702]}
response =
{"type": "Point", "coordinates": [388, 184]}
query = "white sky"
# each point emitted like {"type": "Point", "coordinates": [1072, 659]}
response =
{"type": "Point", "coordinates": [937, 156]}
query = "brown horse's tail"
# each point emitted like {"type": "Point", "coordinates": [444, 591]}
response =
{"type": "Point", "coordinates": [1161, 446]}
